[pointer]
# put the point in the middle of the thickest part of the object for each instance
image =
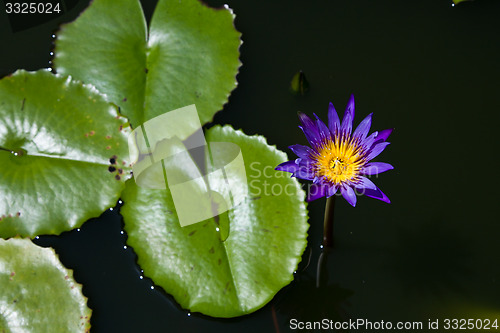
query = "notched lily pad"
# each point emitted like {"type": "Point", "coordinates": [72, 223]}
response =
{"type": "Point", "coordinates": [189, 55]}
{"type": "Point", "coordinates": [37, 293]}
{"type": "Point", "coordinates": [204, 272]}
{"type": "Point", "coordinates": [63, 154]}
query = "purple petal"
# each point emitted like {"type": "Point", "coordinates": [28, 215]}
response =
{"type": "Point", "coordinates": [305, 162]}
{"type": "Point", "coordinates": [305, 170]}
{"type": "Point", "coordinates": [383, 135]}
{"type": "Point", "coordinates": [324, 132]}
{"type": "Point", "coordinates": [304, 173]}
{"type": "Point", "coordinates": [289, 166]}
{"type": "Point", "coordinates": [308, 123]}
{"type": "Point", "coordinates": [349, 195]}
{"type": "Point", "coordinates": [368, 142]}
{"type": "Point", "coordinates": [331, 190]}
{"type": "Point", "coordinates": [333, 119]}
{"type": "Point", "coordinates": [374, 168]}
{"type": "Point", "coordinates": [301, 151]}
{"type": "Point", "coordinates": [377, 194]}
{"type": "Point", "coordinates": [305, 120]}
{"type": "Point", "coordinates": [312, 138]}
{"type": "Point", "coordinates": [376, 150]}
{"type": "Point", "coordinates": [363, 127]}
{"type": "Point", "coordinates": [365, 183]}
{"type": "Point", "coordinates": [350, 105]}
{"type": "Point", "coordinates": [310, 130]}
{"type": "Point", "coordinates": [346, 125]}
{"type": "Point", "coordinates": [315, 192]}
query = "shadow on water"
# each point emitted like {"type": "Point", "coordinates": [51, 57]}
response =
{"type": "Point", "coordinates": [313, 298]}
{"type": "Point", "coordinates": [432, 258]}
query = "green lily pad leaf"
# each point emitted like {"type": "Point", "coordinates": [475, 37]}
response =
{"type": "Point", "coordinates": [37, 293]}
{"type": "Point", "coordinates": [62, 154]}
{"type": "Point", "coordinates": [190, 56]}
{"type": "Point", "coordinates": [205, 271]}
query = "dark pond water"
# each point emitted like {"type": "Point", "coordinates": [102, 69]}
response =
{"type": "Point", "coordinates": [427, 69]}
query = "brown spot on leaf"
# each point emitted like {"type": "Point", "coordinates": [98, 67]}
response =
{"type": "Point", "coordinates": [18, 214]}
{"type": "Point", "coordinates": [111, 168]}
{"type": "Point", "coordinates": [91, 132]}
{"type": "Point", "coordinates": [12, 274]}
{"type": "Point", "coordinates": [219, 261]}
{"type": "Point", "coordinates": [255, 198]}
{"type": "Point", "coordinates": [66, 277]}
{"type": "Point", "coordinates": [108, 147]}
{"type": "Point", "coordinates": [86, 135]}
{"type": "Point", "coordinates": [117, 177]}
{"type": "Point", "coordinates": [192, 233]}
{"type": "Point", "coordinates": [125, 99]}
{"type": "Point", "coordinates": [108, 137]}
{"type": "Point", "coordinates": [120, 171]}
{"type": "Point", "coordinates": [265, 230]}
{"type": "Point", "coordinates": [112, 160]}
{"type": "Point", "coordinates": [211, 250]}
{"type": "Point", "coordinates": [121, 127]}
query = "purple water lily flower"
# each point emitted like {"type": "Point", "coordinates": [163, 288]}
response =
{"type": "Point", "coordinates": [339, 159]}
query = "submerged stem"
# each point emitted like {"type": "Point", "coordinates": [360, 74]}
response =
{"type": "Point", "coordinates": [322, 272]}
{"type": "Point", "coordinates": [328, 224]}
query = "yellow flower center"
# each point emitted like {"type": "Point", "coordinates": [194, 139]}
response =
{"type": "Point", "coordinates": [339, 161]}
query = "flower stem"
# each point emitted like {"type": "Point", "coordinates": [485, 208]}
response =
{"type": "Point", "coordinates": [328, 224]}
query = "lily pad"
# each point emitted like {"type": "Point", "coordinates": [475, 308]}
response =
{"type": "Point", "coordinates": [204, 271]}
{"type": "Point", "coordinates": [188, 56]}
{"type": "Point", "coordinates": [37, 293]}
{"type": "Point", "coordinates": [62, 150]}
